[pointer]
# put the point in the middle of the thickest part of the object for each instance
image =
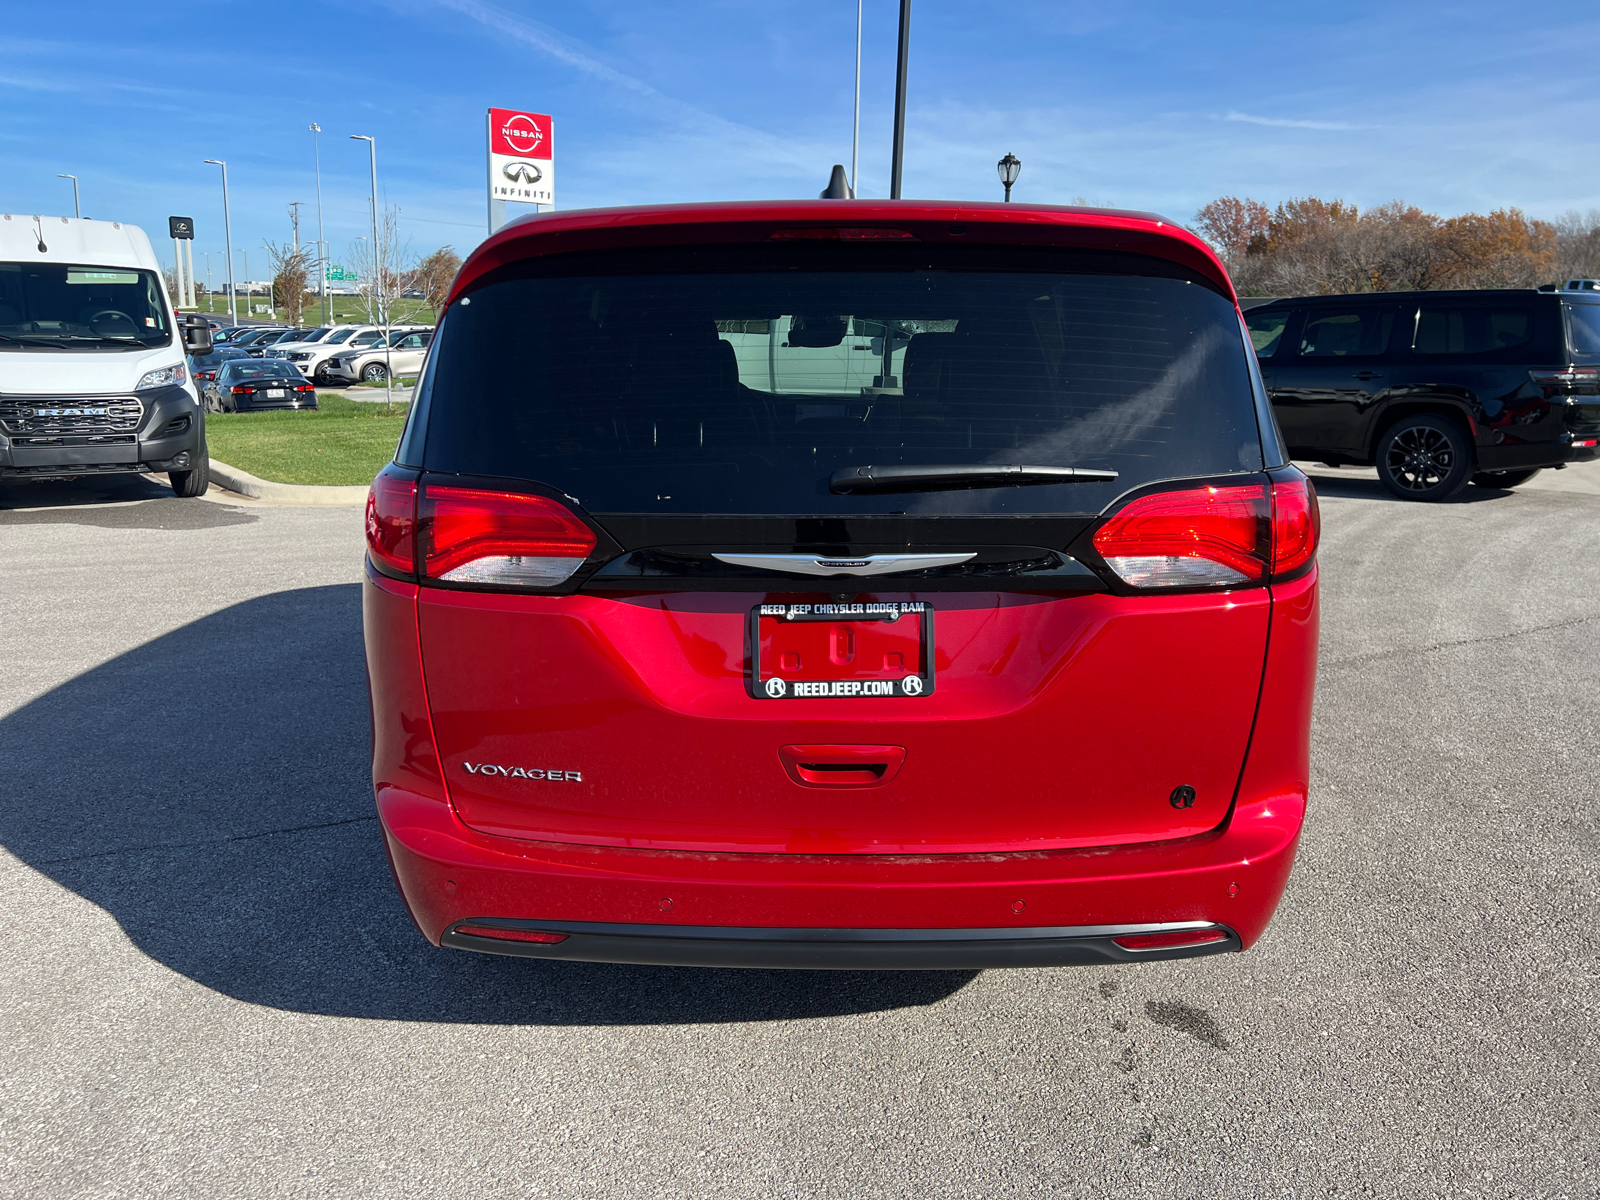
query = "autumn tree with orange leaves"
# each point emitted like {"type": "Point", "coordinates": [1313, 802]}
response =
{"type": "Point", "coordinates": [1312, 246]}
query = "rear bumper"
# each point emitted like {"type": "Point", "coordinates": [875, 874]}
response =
{"type": "Point", "coordinates": [842, 949]}
{"type": "Point", "coordinates": [859, 911]}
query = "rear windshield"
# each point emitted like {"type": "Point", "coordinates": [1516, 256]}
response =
{"type": "Point", "coordinates": [693, 389]}
{"type": "Point", "coordinates": [260, 368]}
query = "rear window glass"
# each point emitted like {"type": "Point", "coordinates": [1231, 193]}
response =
{"type": "Point", "coordinates": [1583, 327]}
{"type": "Point", "coordinates": [743, 390]}
{"type": "Point", "coordinates": [1442, 330]}
{"type": "Point", "coordinates": [1266, 331]}
{"type": "Point", "coordinates": [1335, 333]}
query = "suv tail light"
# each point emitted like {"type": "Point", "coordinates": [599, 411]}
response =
{"type": "Point", "coordinates": [1170, 941]}
{"type": "Point", "coordinates": [506, 539]}
{"type": "Point", "coordinates": [1565, 376]}
{"type": "Point", "coordinates": [1212, 536]}
{"type": "Point", "coordinates": [392, 523]}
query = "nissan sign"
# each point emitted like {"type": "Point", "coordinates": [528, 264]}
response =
{"type": "Point", "coordinates": [521, 157]}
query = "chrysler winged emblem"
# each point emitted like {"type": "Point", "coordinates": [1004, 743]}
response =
{"type": "Point", "coordinates": [522, 172]}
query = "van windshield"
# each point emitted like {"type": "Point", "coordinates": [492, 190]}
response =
{"type": "Point", "coordinates": [68, 305]}
{"type": "Point", "coordinates": [743, 390]}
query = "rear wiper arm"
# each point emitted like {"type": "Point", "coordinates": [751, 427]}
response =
{"type": "Point", "coordinates": [941, 478]}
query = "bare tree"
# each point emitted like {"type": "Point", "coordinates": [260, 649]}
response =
{"type": "Point", "coordinates": [1578, 245]}
{"type": "Point", "coordinates": [387, 267]}
{"type": "Point", "coordinates": [291, 268]}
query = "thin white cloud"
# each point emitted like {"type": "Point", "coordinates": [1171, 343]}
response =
{"type": "Point", "coordinates": [1286, 122]}
{"type": "Point", "coordinates": [695, 124]}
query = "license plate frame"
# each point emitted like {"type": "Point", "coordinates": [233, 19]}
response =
{"type": "Point", "coordinates": [912, 686]}
{"type": "Point", "coordinates": [275, 393]}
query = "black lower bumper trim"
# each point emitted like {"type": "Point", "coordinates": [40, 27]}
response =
{"type": "Point", "coordinates": [836, 949]}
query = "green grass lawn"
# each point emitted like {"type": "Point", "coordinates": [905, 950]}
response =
{"type": "Point", "coordinates": [347, 310]}
{"type": "Point", "coordinates": [343, 442]}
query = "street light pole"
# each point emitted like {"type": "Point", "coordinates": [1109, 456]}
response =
{"type": "Point", "coordinates": [377, 246]}
{"type": "Point", "coordinates": [1009, 167]}
{"type": "Point", "coordinates": [901, 68]}
{"type": "Point", "coordinates": [77, 209]}
{"type": "Point", "coordinates": [322, 246]}
{"type": "Point", "coordinates": [227, 230]}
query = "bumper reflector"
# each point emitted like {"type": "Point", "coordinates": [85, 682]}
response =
{"type": "Point", "coordinates": [1168, 941]}
{"type": "Point", "coordinates": [512, 935]}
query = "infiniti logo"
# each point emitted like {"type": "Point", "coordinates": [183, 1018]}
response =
{"type": "Point", "coordinates": [523, 772]}
{"type": "Point", "coordinates": [522, 172]}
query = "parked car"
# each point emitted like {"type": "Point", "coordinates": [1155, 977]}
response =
{"type": "Point", "coordinates": [249, 335]}
{"type": "Point", "coordinates": [311, 359]}
{"type": "Point", "coordinates": [204, 368]}
{"type": "Point", "coordinates": [259, 347]}
{"type": "Point", "coordinates": [402, 355]}
{"type": "Point", "coordinates": [669, 664]}
{"type": "Point", "coordinates": [304, 337]}
{"type": "Point", "coordinates": [248, 384]}
{"type": "Point", "coordinates": [413, 294]}
{"type": "Point", "coordinates": [1436, 389]}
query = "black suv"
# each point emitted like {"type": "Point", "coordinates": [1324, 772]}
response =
{"type": "Point", "coordinates": [1435, 389]}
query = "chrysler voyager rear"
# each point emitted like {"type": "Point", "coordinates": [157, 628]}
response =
{"type": "Point", "coordinates": [842, 584]}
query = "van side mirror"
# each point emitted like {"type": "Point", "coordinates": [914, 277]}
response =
{"type": "Point", "coordinates": [196, 331]}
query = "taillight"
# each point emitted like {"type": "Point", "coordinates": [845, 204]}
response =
{"type": "Point", "coordinates": [1199, 537]}
{"type": "Point", "coordinates": [239, 390]}
{"type": "Point", "coordinates": [1213, 536]}
{"type": "Point", "coordinates": [304, 387]}
{"type": "Point", "coordinates": [505, 539]}
{"type": "Point", "coordinates": [1296, 525]}
{"type": "Point", "coordinates": [539, 936]}
{"type": "Point", "coordinates": [392, 523]}
{"type": "Point", "coordinates": [1170, 941]}
{"type": "Point", "coordinates": [1565, 375]}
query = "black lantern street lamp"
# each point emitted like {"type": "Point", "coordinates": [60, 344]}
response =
{"type": "Point", "coordinates": [1009, 167]}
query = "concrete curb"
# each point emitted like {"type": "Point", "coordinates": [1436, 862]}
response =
{"type": "Point", "coordinates": [318, 496]}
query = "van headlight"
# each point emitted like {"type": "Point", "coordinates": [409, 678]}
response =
{"type": "Point", "coordinates": [163, 377]}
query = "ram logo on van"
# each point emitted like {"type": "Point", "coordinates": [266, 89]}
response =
{"type": "Point", "coordinates": [523, 772]}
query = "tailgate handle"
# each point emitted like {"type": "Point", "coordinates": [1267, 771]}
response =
{"type": "Point", "coordinates": [842, 766]}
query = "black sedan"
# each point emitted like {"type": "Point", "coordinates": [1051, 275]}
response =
{"type": "Point", "coordinates": [249, 384]}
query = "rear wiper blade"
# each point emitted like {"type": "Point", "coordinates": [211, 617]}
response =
{"type": "Point", "coordinates": [942, 478]}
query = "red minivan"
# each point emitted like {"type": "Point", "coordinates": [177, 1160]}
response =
{"type": "Point", "coordinates": [842, 584]}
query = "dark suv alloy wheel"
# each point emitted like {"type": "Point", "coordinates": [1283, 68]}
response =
{"type": "Point", "coordinates": [1425, 457]}
{"type": "Point", "coordinates": [1503, 479]}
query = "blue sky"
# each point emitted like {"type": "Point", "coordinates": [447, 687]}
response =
{"type": "Point", "coordinates": [1467, 106]}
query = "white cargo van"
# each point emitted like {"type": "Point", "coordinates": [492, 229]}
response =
{"type": "Point", "coordinates": [93, 376]}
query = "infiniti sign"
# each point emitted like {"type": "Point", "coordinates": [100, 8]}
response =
{"type": "Point", "coordinates": [522, 172]}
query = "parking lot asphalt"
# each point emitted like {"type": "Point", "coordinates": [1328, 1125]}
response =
{"type": "Point", "coordinates": [211, 989]}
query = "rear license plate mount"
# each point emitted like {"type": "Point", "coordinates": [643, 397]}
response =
{"type": "Point", "coordinates": [274, 393]}
{"type": "Point", "coordinates": [855, 651]}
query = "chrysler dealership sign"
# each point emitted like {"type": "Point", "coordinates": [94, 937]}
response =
{"type": "Point", "coordinates": [522, 164]}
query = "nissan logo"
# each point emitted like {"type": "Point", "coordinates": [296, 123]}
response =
{"type": "Point", "coordinates": [522, 172]}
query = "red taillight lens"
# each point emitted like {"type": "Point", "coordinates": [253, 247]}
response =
{"type": "Point", "coordinates": [513, 935]}
{"type": "Point", "coordinates": [1296, 525]}
{"type": "Point", "coordinates": [1199, 537]}
{"type": "Point", "coordinates": [1168, 941]}
{"type": "Point", "coordinates": [304, 387]}
{"type": "Point", "coordinates": [392, 522]}
{"type": "Point", "coordinates": [236, 391]}
{"type": "Point", "coordinates": [501, 538]}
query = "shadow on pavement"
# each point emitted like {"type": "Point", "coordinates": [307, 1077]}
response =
{"type": "Point", "coordinates": [121, 501]}
{"type": "Point", "coordinates": [1357, 488]}
{"type": "Point", "coordinates": [211, 791]}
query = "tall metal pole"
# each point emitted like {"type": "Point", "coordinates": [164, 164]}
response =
{"type": "Point", "coordinates": [322, 245]}
{"type": "Point", "coordinates": [227, 230]}
{"type": "Point", "coordinates": [900, 99]}
{"type": "Point", "coordinates": [377, 246]}
{"type": "Point", "coordinates": [77, 209]}
{"type": "Point", "coordinates": [855, 136]}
